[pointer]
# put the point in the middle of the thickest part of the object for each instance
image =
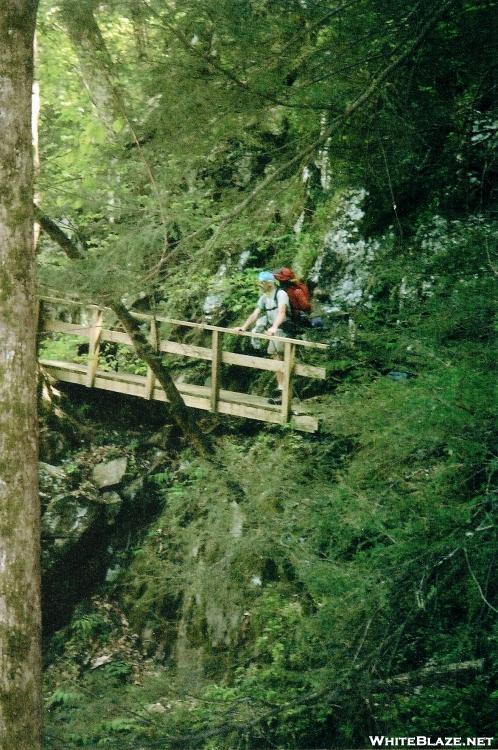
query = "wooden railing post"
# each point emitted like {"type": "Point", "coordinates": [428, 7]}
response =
{"type": "Point", "coordinates": [94, 348]}
{"type": "Point", "coordinates": [289, 361]}
{"type": "Point", "coordinates": [151, 378]}
{"type": "Point", "coordinates": [216, 340]}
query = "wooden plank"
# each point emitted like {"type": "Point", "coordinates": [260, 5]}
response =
{"type": "Point", "coordinates": [117, 337]}
{"type": "Point", "coordinates": [94, 348]}
{"type": "Point", "coordinates": [235, 397]}
{"type": "Point", "coordinates": [274, 365]}
{"type": "Point", "coordinates": [151, 378]}
{"type": "Point", "coordinates": [305, 423]}
{"type": "Point", "coordinates": [128, 389]}
{"type": "Point", "coordinates": [289, 358]}
{"type": "Point", "coordinates": [248, 360]}
{"type": "Point", "coordinates": [59, 365]}
{"type": "Point", "coordinates": [247, 398]}
{"type": "Point", "coordinates": [216, 342]}
{"type": "Point", "coordinates": [249, 412]}
{"type": "Point", "coordinates": [58, 369]}
{"type": "Point", "coordinates": [65, 374]}
{"type": "Point", "coordinates": [310, 371]}
{"type": "Point", "coordinates": [60, 326]}
{"type": "Point", "coordinates": [169, 347]}
{"type": "Point", "coordinates": [187, 350]}
{"type": "Point", "coordinates": [197, 397]}
{"type": "Point", "coordinates": [202, 391]}
{"type": "Point", "coordinates": [227, 358]}
{"type": "Point", "coordinates": [297, 342]}
{"type": "Point", "coordinates": [131, 387]}
{"type": "Point", "coordinates": [194, 396]}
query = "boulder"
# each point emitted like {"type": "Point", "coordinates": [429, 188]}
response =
{"type": "Point", "coordinates": [110, 473]}
{"type": "Point", "coordinates": [67, 517]}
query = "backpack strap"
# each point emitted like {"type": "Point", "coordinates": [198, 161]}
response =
{"type": "Point", "coordinates": [275, 301]}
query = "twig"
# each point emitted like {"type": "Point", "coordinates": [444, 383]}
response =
{"type": "Point", "coordinates": [474, 578]}
{"type": "Point", "coordinates": [393, 200]}
{"type": "Point", "coordinates": [362, 641]}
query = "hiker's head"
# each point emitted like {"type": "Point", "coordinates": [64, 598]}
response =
{"type": "Point", "coordinates": [284, 276]}
{"type": "Point", "coordinates": [266, 281]}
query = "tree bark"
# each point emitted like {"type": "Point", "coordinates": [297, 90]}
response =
{"type": "Point", "coordinates": [20, 662]}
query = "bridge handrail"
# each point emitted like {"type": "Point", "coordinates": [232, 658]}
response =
{"type": "Point", "coordinates": [190, 324]}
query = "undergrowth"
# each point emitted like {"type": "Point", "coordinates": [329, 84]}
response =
{"type": "Point", "coordinates": [283, 617]}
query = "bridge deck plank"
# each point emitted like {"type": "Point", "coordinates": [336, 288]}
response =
{"type": "Point", "coordinates": [196, 396]}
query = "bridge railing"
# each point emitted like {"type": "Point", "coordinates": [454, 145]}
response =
{"type": "Point", "coordinates": [213, 397]}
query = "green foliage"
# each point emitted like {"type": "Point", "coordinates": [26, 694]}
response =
{"type": "Point", "coordinates": [123, 359]}
{"type": "Point", "coordinates": [242, 293]}
{"type": "Point", "coordinates": [117, 671]}
{"type": "Point", "coordinates": [161, 478]}
{"type": "Point", "coordinates": [62, 347]}
{"type": "Point", "coordinates": [88, 627]}
{"type": "Point", "coordinates": [64, 698]}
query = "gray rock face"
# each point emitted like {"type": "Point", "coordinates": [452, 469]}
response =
{"type": "Point", "coordinates": [343, 267]}
{"type": "Point", "coordinates": [66, 518]}
{"type": "Point", "coordinates": [73, 506]}
{"type": "Point", "coordinates": [110, 473]}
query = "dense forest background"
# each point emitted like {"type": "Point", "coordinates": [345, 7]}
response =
{"type": "Point", "coordinates": [292, 590]}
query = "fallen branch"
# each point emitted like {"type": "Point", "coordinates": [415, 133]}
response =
{"type": "Point", "coordinates": [55, 233]}
{"type": "Point", "coordinates": [180, 413]}
{"type": "Point", "coordinates": [431, 673]}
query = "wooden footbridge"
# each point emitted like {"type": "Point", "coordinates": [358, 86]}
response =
{"type": "Point", "coordinates": [99, 324]}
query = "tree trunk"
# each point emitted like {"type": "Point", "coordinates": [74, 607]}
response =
{"type": "Point", "coordinates": [94, 59]}
{"type": "Point", "coordinates": [20, 669]}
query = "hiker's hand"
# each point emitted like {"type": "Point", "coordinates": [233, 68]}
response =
{"type": "Point", "coordinates": [240, 328]}
{"type": "Point", "coordinates": [271, 331]}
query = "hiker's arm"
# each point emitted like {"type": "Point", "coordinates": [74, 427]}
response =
{"type": "Point", "coordinates": [281, 315]}
{"type": "Point", "coordinates": [250, 320]}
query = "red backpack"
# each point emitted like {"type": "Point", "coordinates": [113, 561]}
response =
{"type": "Point", "coordinates": [299, 298]}
{"type": "Point", "coordinates": [297, 291]}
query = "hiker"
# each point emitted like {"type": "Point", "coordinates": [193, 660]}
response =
{"type": "Point", "coordinates": [299, 297]}
{"type": "Point", "coordinates": [269, 315]}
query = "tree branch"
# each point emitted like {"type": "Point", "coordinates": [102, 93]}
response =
{"type": "Point", "coordinates": [428, 674]}
{"type": "Point", "coordinates": [474, 578]}
{"type": "Point", "coordinates": [55, 233]}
